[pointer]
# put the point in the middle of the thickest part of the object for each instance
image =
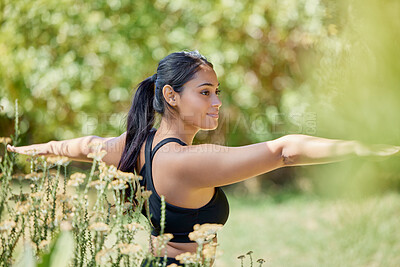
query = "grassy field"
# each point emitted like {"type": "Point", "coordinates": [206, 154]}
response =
{"type": "Point", "coordinates": [308, 231]}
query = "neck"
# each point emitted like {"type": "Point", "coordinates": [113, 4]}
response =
{"type": "Point", "coordinates": [177, 129]}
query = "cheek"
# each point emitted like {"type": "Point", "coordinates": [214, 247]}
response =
{"type": "Point", "coordinates": [195, 111]}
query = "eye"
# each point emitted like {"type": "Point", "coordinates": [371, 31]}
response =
{"type": "Point", "coordinates": [217, 92]}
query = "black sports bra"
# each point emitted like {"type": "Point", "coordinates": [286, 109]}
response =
{"type": "Point", "coordinates": [179, 221]}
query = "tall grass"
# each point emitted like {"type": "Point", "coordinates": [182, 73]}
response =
{"type": "Point", "coordinates": [46, 213]}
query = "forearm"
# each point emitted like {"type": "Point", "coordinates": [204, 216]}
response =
{"type": "Point", "coordinates": [307, 150]}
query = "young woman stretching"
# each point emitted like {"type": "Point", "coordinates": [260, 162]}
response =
{"type": "Point", "coordinates": [184, 91]}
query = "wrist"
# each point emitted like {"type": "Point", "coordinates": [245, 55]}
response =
{"type": "Point", "coordinates": [362, 150]}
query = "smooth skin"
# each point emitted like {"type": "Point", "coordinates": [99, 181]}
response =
{"type": "Point", "coordinates": [197, 169]}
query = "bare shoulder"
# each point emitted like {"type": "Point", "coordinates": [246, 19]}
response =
{"type": "Point", "coordinates": [210, 165]}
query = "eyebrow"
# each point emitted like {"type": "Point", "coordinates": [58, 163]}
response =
{"type": "Point", "coordinates": [208, 84]}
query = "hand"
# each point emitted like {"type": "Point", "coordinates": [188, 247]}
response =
{"type": "Point", "coordinates": [386, 150]}
{"type": "Point", "coordinates": [378, 150]}
{"type": "Point", "coordinates": [38, 149]}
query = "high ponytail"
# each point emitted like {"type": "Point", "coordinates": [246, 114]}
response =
{"type": "Point", "coordinates": [140, 121]}
{"type": "Point", "coordinates": [175, 70]}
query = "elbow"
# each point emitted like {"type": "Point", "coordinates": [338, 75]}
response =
{"type": "Point", "coordinates": [287, 160]}
{"type": "Point", "coordinates": [288, 153]}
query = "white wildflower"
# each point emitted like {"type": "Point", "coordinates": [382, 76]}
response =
{"type": "Point", "coordinates": [134, 226]}
{"type": "Point", "coordinates": [205, 232]}
{"type": "Point", "coordinates": [186, 258]}
{"type": "Point", "coordinates": [118, 185]}
{"type": "Point", "coordinates": [99, 227]}
{"type": "Point", "coordinates": [129, 249]}
{"type": "Point", "coordinates": [58, 160]}
{"type": "Point", "coordinates": [7, 225]}
{"type": "Point", "coordinates": [99, 185]}
{"type": "Point", "coordinates": [34, 176]}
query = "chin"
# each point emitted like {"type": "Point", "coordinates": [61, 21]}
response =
{"type": "Point", "coordinates": [209, 128]}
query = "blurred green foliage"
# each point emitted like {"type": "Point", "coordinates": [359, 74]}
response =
{"type": "Point", "coordinates": [353, 82]}
{"type": "Point", "coordinates": [73, 64]}
{"type": "Point", "coordinates": [324, 68]}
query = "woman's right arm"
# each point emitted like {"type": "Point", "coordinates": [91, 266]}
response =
{"type": "Point", "coordinates": [78, 148]}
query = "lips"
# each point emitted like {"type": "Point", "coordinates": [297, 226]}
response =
{"type": "Point", "coordinates": [214, 115]}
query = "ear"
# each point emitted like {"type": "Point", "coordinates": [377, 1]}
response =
{"type": "Point", "coordinates": [170, 95]}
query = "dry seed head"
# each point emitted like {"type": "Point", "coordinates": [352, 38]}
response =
{"type": "Point", "coordinates": [129, 249]}
{"type": "Point", "coordinates": [37, 195]}
{"type": "Point", "coordinates": [75, 181]}
{"type": "Point", "coordinates": [99, 227]}
{"type": "Point", "coordinates": [186, 258]}
{"type": "Point", "coordinates": [78, 175]}
{"type": "Point", "coordinates": [128, 176]}
{"type": "Point", "coordinates": [118, 185]}
{"type": "Point", "coordinates": [204, 232]}
{"type": "Point", "coordinates": [99, 185]}
{"type": "Point", "coordinates": [103, 256]}
{"type": "Point", "coordinates": [99, 155]}
{"type": "Point", "coordinates": [7, 225]}
{"type": "Point", "coordinates": [22, 207]}
{"type": "Point", "coordinates": [134, 226]}
{"type": "Point", "coordinates": [5, 140]}
{"type": "Point", "coordinates": [107, 172]}
{"type": "Point", "coordinates": [34, 176]}
{"type": "Point", "coordinates": [165, 238]}
{"type": "Point", "coordinates": [209, 250]}
{"type": "Point", "coordinates": [58, 160]}
{"type": "Point", "coordinates": [146, 194]}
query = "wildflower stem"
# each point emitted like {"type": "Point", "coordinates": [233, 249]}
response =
{"type": "Point", "coordinates": [53, 197]}
{"type": "Point", "coordinates": [90, 176]}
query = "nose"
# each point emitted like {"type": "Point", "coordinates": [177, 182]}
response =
{"type": "Point", "coordinates": [216, 102]}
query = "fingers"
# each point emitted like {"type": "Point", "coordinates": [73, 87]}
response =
{"type": "Point", "coordinates": [10, 148]}
{"type": "Point", "coordinates": [26, 150]}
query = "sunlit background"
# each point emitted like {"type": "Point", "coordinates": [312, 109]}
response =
{"type": "Point", "coordinates": [322, 68]}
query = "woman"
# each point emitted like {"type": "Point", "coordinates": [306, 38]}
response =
{"type": "Point", "coordinates": [185, 92]}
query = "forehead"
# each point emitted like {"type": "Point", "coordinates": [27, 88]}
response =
{"type": "Point", "coordinates": [205, 74]}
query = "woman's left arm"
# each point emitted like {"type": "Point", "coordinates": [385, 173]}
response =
{"type": "Point", "coordinates": [301, 149]}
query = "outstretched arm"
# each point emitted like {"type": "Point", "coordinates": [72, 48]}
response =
{"type": "Point", "coordinates": [78, 148]}
{"type": "Point", "coordinates": [207, 165]}
{"type": "Point", "coordinates": [306, 150]}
